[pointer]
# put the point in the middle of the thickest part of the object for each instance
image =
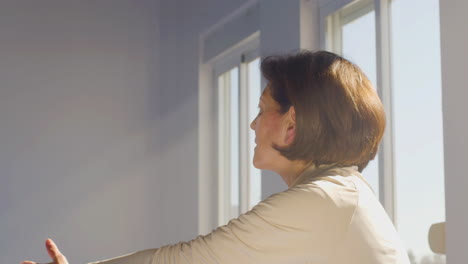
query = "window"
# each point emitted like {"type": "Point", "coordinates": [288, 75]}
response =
{"type": "Point", "coordinates": [396, 43]}
{"type": "Point", "coordinates": [237, 78]}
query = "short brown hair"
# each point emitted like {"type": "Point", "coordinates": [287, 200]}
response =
{"type": "Point", "coordinates": [339, 116]}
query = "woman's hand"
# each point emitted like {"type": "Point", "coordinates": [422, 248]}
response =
{"type": "Point", "coordinates": [54, 253]}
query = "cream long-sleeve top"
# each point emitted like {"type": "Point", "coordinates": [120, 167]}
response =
{"type": "Point", "coordinates": [329, 215]}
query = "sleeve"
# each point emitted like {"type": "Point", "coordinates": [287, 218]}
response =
{"type": "Point", "coordinates": [295, 226]}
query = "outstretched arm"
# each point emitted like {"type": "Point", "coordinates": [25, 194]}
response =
{"type": "Point", "coordinates": [299, 225]}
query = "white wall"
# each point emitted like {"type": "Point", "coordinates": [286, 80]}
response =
{"type": "Point", "coordinates": [79, 160]}
{"type": "Point", "coordinates": [454, 42]}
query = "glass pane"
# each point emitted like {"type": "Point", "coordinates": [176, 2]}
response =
{"type": "Point", "coordinates": [254, 85]}
{"type": "Point", "coordinates": [358, 46]}
{"type": "Point", "coordinates": [234, 140]}
{"type": "Point", "coordinates": [417, 117]}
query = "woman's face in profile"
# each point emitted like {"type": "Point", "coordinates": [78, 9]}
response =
{"type": "Point", "coordinates": [268, 127]}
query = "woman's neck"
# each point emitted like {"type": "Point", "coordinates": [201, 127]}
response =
{"type": "Point", "coordinates": [293, 171]}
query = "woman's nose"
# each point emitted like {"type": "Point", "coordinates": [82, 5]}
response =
{"type": "Point", "coordinates": [252, 124]}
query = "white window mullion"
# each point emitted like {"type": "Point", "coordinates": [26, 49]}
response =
{"type": "Point", "coordinates": [223, 147]}
{"type": "Point", "coordinates": [386, 159]}
{"type": "Point", "coordinates": [244, 138]}
{"type": "Point", "coordinates": [334, 33]}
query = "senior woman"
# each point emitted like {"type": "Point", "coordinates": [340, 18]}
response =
{"type": "Point", "coordinates": [320, 123]}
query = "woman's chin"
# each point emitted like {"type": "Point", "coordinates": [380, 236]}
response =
{"type": "Point", "coordinates": [259, 164]}
{"type": "Point", "coordinates": [257, 167]}
{"type": "Point", "coordinates": [255, 163]}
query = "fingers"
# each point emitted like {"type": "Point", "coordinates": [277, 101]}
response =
{"type": "Point", "coordinates": [52, 249]}
{"type": "Point", "coordinates": [54, 253]}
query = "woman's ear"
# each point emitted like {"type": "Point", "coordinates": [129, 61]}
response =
{"type": "Point", "coordinates": [290, 125]}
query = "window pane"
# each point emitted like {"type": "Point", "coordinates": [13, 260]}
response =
{"type": "Point", "coordinates": [419, 166]}
{"type": "Point", "coordinates": [254, 96]}
{"type": "Point", "coordinates": [358, 46]}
